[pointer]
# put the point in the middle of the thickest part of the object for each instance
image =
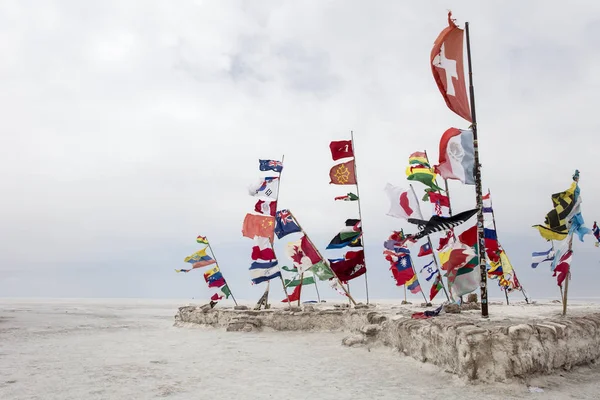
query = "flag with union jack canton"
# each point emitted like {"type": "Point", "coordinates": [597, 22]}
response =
{"type": "Point", "coordinates": [270, 165]}
{"type": "Point", "coordinates": [285, 224]}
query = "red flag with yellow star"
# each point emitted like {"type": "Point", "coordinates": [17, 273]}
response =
{"type": "Point", "coordinates": [258, 225]}
{"type": "Point", "coordinates": [343, 174]}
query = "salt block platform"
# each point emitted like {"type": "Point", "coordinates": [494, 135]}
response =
{"type": "Point", "coordinates": [473, 348]}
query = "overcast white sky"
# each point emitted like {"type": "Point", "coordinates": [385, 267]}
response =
{"type": "Point", "coordinates": [130, 127]}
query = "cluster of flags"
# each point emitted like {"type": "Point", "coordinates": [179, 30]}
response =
{"type": "Point", "coordinates": [261, 224]}
{"type": "Point", "coordinates": [307, 261]}
{"type": "Point", "coordinates": [352, 264]}
{"type": "Point", "coordinates": [213, 276]}
{"type": "Point", "coordinates": [562, 222]}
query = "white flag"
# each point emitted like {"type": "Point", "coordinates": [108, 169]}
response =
{"type": "Point", "coordinates": [403, 203]}
{"type": "Point", "coordinates": [265, 187]}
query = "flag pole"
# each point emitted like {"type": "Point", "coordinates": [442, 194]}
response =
{"type": "Point", "coordinates": [317, 289]}
{"type": "Point", "coordinates": [360, 213]}
{"type": "Point", "coordinates": [405, 294]}
{"type": "Point", "coordinates": [568, 278]}
{"type": "Point", "coordinates": [478, 190]}
{"type": "Point", "coordinates": [273, 247]}
{"type": "Point", "coordinates": [217, 262]}
{"type": "Point", "coordinates": [514, 273]}
{"type": "Point", "coordinates": [300, 289]}
{"type": "Point", "coordinates": [417, 276]}
{"type": "Point", "coordinates": [431, 244]}
{"type": "Point", "coordinates": [429, 238]}
{"type": "Point", "coordinates": [322, 258]}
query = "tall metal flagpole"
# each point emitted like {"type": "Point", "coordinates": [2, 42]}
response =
{"type": "Point", "coordinates": [479, 194]}
{"type": "Point", "coordinates": [432, 252]}
{"type": "Point", "coordinates": [217, 262]}
{"type": "Point", "coordinates": [360, 214]}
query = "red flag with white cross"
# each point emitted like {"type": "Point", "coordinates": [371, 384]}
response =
{"type": "Point", "coordinates": [448, 69]}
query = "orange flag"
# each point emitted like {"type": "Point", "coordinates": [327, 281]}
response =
{"type": "Point", "coordinates": [258, 225]}
{"type": "Point", "coordinates": [448, 70]}
{"type": "Point", "coordinates": [343, 174]}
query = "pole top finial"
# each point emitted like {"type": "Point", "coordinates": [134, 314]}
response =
{"type": "Point", "coordinates": [576, 175]}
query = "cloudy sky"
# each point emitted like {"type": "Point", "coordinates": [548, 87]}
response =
{"type": "Point", "coordinates": [129, 128]}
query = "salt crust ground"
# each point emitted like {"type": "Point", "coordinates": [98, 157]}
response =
{"type": "Point", "coordinates": [129, 349]}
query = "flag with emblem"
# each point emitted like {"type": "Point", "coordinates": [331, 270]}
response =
{"type": "Point", "coordinates": [565, 204]}
{"type": "Point", "coordinates": [448, 71]}
{"type": "Point", "coordinates": [341, 149]}
{"type": "Point", "coordinates": [350, 267]}
{"type": "Point", "coordinates": [267, 207]}
{"type": "Point", "coordinates": [348, 197]}
{"type": "Point", "coordinates": [429, 270]}
{"type": "Point", "coordinates": [322, 271]}
{"type": "Point", "coordinates": [425, 250]}
{"type": "Point", "coordinates": [270, 165]}
{"type": "Point", "coordinates": [457, 156]}
{"type": "Point", "coordinates": [285, 224]}
{"type": "Point", "coordinates": [265, 187]}
{"type": "Point", "coordinates": [343, 174]}
{"type": "Point", "coordinates": [200, 259]}
{"type": "Point", "coordinates": [258, 225]}
{"type": "Point", "coordinates": [402, 270]}
{"type": "Point", "coordinates": [435, 288]}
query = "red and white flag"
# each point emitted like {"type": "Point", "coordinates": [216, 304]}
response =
{"type": "Point", "coordinates": [448, 69]}
{"type": "Point", "coordinates": [457, 156]}
{"type": "Point", "coordinates": [403, 203]}
{"type": "Point", "coordinates": [267, 207]}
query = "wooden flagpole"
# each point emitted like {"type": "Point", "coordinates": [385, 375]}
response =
{"type": "Point", "coordinates": [360, 214]}
{"type": "Point", "coordinates": [448, 295]}
{"type": "Point", "coordinates": [417, 276]}
{"type": "Point", "coordinates": [217, 262]}
{"type": "Point", "coordinates": [431, 245]}
{"type": "Point", "coordinates": [300, 289]}
{"type": "Point", "coordinates": [322, 258]}
{"type": "Point", "coordinates": [277, 200]}
{"type": "Point", "coordinates": [514, 273]}
{"type": "Point", "coordinates": [568, 278]}
{"type": "Point", "coordinates": [478, 190]}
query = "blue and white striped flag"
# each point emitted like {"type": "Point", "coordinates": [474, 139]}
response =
{"type": "Point", "coordinates": [540, 257]}
{"type": "Point", "coordinates": [429, 269]}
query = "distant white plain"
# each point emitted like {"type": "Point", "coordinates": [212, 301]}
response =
{"type": "Point", "coordinates": [128, 349]}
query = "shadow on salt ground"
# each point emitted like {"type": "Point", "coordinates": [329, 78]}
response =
{"type": "Point", "coordinates": [45, 353]}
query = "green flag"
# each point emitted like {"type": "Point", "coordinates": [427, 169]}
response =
{"type": "Point", "coordinates": [322, 271]}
